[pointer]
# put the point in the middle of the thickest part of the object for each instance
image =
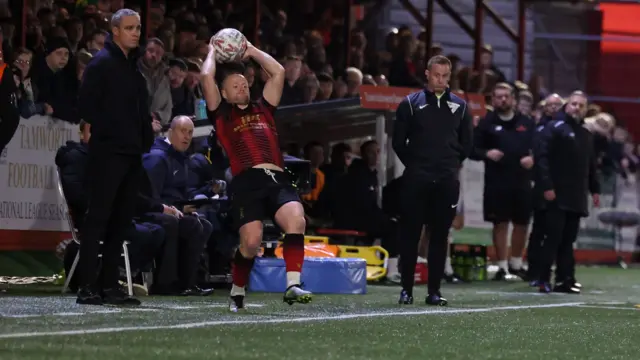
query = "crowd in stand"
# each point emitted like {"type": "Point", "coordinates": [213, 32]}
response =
{"type": "Point", "coordinates": [61, 40]}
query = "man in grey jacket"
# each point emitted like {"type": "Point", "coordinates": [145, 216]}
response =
{"type": "Point", "coordinates": [154, 70]}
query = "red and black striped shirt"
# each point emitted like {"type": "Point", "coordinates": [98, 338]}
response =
{"type": "Point", "coordinates": [248, 136]}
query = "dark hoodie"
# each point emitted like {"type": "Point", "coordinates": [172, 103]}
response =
{"type": "Point", "coordinates": [168, 171]}
{"type": "Point", "coordinates": [113, 98]}
{"type": "Point", "coordinates": [71, 160]}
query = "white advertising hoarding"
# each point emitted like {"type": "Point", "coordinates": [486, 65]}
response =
{"type": "Point", "coordinates": [29, 197]}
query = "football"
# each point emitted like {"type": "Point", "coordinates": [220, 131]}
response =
{"type": "Point", "coordinates": [230, 45]}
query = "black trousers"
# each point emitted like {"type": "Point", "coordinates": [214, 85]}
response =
{"type": "Point", "coordinates": [185, 240]}
{"type": "Point", "coordinates": [112, 182]}
{"type": "Point", "coordinates": [536, 239]}
{"type": "Point", "coordinates": [431, 203]}
{"type": "Point", "coordinates": [146, 240]}
{"type": "Point", "coordinates": [562, 231]}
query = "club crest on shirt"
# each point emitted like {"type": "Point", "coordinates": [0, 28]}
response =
{"type": "Point", "coordinates": [453, 106]}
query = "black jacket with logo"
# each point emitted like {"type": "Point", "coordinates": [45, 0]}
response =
{"type": "Point", "coordinates": [515, 139]}
{"type": "Point", "coordinates": [433, 136]}
{"type": "Point", "coordinates": [566, 163]}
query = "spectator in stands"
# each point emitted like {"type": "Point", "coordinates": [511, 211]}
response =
{"type": "Point", "coordinates": [23, 60]}
{"type": "Point", "coordinates": [167, 167]}
{"type": "Point", "coordinates": [192, 81]}
{"type": "Point", "coordinates": [47, 20]}
{"type": "Point", "coordinates": [326, 87]}
{"type": "Point", "coordinates": [402, 71]}
{"type": "Point", "coordinates": [292, 94]}
{"type": "Point", "coordinates": [339, 89]}
{"type": "Point", "coordinates": [27, 106]}
{"type": "Point", "coordinates": [182, 98]}
{"type": "Point", "coordinates": [95, 42]}
{"type": "Point", "coordinates": [525, 103]}
{"type": "Point", "coordinates": [486, 63]}
{"type": "Point", "coordinates": [310, 89]}
{"type": "Point", "coordinates": [53, 84]}
{"type": "Point", "coordinates": [9, 115]}
{"type": "Point", "coordinates": [552, 104]}
{"type": "Point", "coordinates": [27, 91]}
{"type": "Point", "coordinates": [154, 70]}
{"type": "Point", "coordinates": [381, 80]}
{"type": "Point", "coordinates": [186, 36]}
{"type": "Point", "coordinates": [354, 80]}
{"type": "Point", "coordinates": [72, 159]}
{"type": "Point", "coordinates": [74, 29]}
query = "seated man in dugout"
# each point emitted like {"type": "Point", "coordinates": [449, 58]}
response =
{"type": "Point", "coordinates": [145, 238]}
{"type": "Point", "coordinates": [207, 167]}
{"type": "Point", "coordinates": [167, 167]}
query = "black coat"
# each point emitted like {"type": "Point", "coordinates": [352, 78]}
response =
{"type": "Point", "coordinates": [566, 163]}
{"type": "Point", "coordinates": [114, 99]}
{"type": "Point", "coordinates": [72, 160]}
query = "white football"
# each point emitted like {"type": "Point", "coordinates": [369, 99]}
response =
{"type": "Point", "coordinates": [230, 45]}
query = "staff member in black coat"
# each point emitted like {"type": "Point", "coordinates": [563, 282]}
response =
{"type": "Point", "coordinates": [114, 100]}
{"type": "Point", "coordinates": [503, 140]}
{"type": "Point", "coordinates": [566, 172]}
{"type": "Point", "coordinates": [432, 136]}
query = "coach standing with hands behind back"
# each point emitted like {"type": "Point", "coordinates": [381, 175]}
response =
{"type": "Point", "coordinates": [432, 136]}
{"type": "Point", "coordinates": [114, 100]}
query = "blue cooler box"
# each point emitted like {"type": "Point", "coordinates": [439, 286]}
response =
{"type": "Point", "coordinates": [319, 275]}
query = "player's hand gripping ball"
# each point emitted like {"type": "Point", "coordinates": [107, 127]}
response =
{"type": "Point", "coordinates": [230, 45]}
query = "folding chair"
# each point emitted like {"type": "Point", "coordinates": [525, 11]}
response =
{"type": "Point", "coordinates": [76, 239]}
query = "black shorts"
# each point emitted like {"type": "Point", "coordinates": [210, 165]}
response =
{"type": "Point", "coordinates": [256, 194]}
{"type": "Point", "coordinates": [508, 205]}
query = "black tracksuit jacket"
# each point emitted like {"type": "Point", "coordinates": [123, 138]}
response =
{"type": "Point", "coordinates": [431, 136]}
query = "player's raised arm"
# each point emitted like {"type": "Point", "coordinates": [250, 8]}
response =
{"type": "Point", "coordinates": [209, 86]}
{"type": "Point", "coordinates": [273, 88]}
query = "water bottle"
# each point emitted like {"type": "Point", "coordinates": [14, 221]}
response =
{"type": "Point", "coordinates": [201, 109]}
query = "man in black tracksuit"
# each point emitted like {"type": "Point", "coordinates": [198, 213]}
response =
{"type": "Point", "coordinates": [553, 103]}
{"type": "Point", "coordinates": [566, 173]}
{"type": "Point", "coordinates": [114, 100]}
{"type": "Point", "coordinates": [503, 140]}
{"type": "Point", "coordinates": [432, 136]}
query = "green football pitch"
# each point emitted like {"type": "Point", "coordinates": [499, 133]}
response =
{"type": "Point", "coordinates": [485, 320]}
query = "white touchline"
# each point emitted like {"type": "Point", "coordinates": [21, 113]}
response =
{"type": "Point", "coordinates": [283, 321]}
{"type": "Point", "coordinates": [607, 307]}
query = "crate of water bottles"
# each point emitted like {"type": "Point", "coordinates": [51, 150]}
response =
{"type": "Point", "coordinates": [469, 261]}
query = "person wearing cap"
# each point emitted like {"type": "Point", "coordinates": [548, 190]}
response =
{"type": "Point", "coordinates": [52, 82]}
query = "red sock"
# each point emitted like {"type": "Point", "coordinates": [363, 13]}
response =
{"type": "Point", "coordinates": [241, 269]}
{"type": "Point", "coordinates": [293, 252]}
